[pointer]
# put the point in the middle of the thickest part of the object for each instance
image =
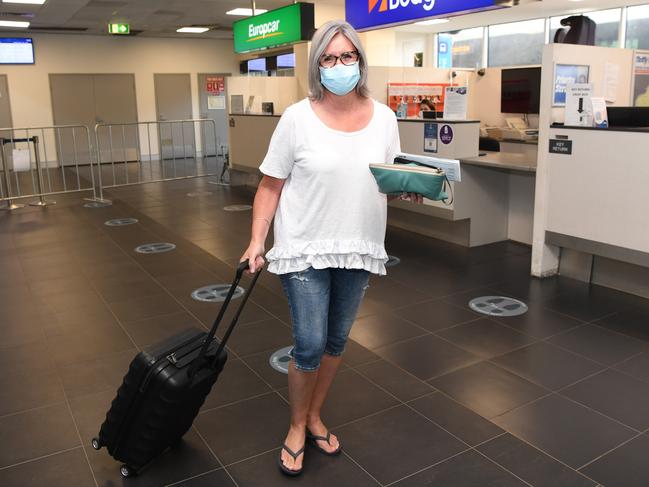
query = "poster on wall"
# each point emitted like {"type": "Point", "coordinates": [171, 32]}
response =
{"type": "Point", "coordinates": [456, 102]}
{"type": "Point", "coordinates": [430, 137]}
{"type": "Point", "coordinates": [215, 85]}
{"type": "Point", "coordinates": [406, 97]}
{"type": "Point", "coordinates": [641, 78]}
{"type": "Point", "coordinates": [565, 74]}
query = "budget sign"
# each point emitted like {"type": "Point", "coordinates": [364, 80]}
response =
{"type": "Point", "coordinates": [367, 14]}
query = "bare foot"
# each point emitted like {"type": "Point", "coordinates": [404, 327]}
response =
{"type": "Point", "coordinates": [295, 441]}
{"type": "Point", "coordinates": [317, 428]}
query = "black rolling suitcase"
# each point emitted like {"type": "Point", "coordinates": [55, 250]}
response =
{"type": "Point", "coordinates": [163, 391]}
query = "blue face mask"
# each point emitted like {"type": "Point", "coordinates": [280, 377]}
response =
{"type": "Point", "coordinates": [340, 79]}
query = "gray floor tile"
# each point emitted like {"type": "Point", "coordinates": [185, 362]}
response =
{"type": "Point", "coordinates": [565, 430]}
{"type": "Point", "coordinates": [532, 465]}
{"type": "Point", "coordinates": [488, 390]}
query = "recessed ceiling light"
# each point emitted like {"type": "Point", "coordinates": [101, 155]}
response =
{"type": "Point", "coordinates": [245, 12]}
{"type": "Point", "coordinates": [34, 2]}
{"type": "Point", "coordinates": [432, 22]}
{"type": "Point", "coordinates": [12, 23]}
{"type": "Point", "coordinates": [193, 30]}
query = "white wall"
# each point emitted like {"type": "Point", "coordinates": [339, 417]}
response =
{"type": "Point", "coordinates": [29, 88]}
{"type": "Point", "coordinates": [281, 90]}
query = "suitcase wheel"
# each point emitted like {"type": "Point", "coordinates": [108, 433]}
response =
{"type": "Point", "coordinates": [95, 444]}
{"type": "Point", "coordinates": [126, 471]}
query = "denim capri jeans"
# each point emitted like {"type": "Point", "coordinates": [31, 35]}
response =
{"type": "Point", "coordinates": [323, 304]}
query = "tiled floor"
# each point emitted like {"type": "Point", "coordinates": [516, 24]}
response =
{"type": "Point", "coordinates": [430, 393]}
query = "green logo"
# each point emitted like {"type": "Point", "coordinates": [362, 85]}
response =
{"type": "Point", "coordinates": [286, 25]}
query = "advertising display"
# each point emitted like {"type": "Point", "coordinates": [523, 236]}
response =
{"type": "Point", "coordinates": [565, 74]}
{"type": "Point", "coordinates": [406, 97]}
{"type": "Point", "coordinates": [641, 78]}
{"type": "Point", "coordinates": [444, 51]}
{"type": "Point", "coordinates": [369, 14]}
{"type": "Point", "coordinates": [286, 25]}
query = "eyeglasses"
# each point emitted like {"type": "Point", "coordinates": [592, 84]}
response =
{"type": "Point", "coordinates": [347, 58]}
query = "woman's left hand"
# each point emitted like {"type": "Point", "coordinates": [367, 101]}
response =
{"type": "Point", "coordinates": [412, 197]}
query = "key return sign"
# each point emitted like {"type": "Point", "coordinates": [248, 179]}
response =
{"type": "Point", "coordinates": [286, 25]}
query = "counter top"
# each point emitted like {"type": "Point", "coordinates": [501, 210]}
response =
{"type": "Point", "coordinates": [608, 129]}
{"type": "Point", "coordinates": [254, 115]}
{"type": "Point", "coordinates": [436, 120]}
{"type": "Point", "coordinates": [503, 160]}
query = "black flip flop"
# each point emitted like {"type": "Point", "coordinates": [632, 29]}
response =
{"type": "Point", "coordinates": [316, 438]}
{"type": "Point", "coordinates": [285, 470]}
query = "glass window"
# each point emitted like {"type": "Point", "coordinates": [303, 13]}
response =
{"type": "Point", "coordinates": [465, 48]}
{"type": "Point", "coordinates": [637, 27]}
{"type": "Point", "coordinates": [516, 43]}
{"type": "Point", "coordinates": [608, 26]}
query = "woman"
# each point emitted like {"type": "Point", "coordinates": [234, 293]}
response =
{"type": "Point", "coordinates": [329, 222]}
{"type": "Point", "coordinates": [426, 105]}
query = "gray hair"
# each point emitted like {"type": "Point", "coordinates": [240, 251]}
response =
{"type": "Point", "coordinates": [319, 43]}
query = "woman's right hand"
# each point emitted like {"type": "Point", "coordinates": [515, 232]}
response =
{"type": "Point", "coordinates": [255, 255]}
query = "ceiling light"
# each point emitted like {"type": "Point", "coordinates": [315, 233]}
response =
{"type": "Point", "coordinates": [193, 30]}
{"type": "Point", "coordinates": [34, 2]}
{"type": "Point", "coordinates": [12, 23]}
{"type": "Point", "coordinates": [432, 22]}
{"type": "Point", "coordinates": [245, 12]}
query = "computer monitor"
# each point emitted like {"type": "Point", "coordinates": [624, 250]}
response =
{"type": "Point", "coordinates": [628, 116]}
{"type": "Point", "coordinates": [16, 50]}
{"type": "Point", "coordinates": [520, 90]}
{"type": "Point", "coordinates": [258, 64]}
{"type": "Point", "coordinates": [286, 60]}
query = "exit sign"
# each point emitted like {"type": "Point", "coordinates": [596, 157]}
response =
{"type": "Point", "coordinates": [119, 29]}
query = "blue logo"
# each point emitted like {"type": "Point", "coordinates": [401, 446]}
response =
{"type": "Point", "coordinates": [366, 14]}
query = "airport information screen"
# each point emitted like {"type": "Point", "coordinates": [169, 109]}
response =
{"type": "Point", "coordinates": [16, 50]}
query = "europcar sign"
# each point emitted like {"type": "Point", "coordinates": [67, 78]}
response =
{"type": "Point", "coordinates": [286, 25]}
{"type": "Point", "coordinates": [368, 14]}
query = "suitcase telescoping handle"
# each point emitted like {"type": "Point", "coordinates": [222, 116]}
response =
{"type": "Point", "coordinates": [210, 336]}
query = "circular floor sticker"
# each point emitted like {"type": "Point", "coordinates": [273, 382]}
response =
{"type": "Point", "coordinates": [216, 293]}
{"type": "Point", "coordinates": [280, 360]}
{"type": "Point", "coordinates": [238, 208]}
{"type": "Point", "coordinates": [155, 248]}
{"type": "Point", "coordinates": [120, 222]}
{"type": "Point", "coordinates": [392, 261]}
{"type": "Point", "coordinates": [498, 306]}
{"type": "Point", "coordinates": [198, 194]}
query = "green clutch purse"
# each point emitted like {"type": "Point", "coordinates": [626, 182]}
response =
{"type": "Point", "coordinates": [429, 182]}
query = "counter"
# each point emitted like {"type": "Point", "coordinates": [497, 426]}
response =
{"type": "Point", "coordinates": [504, 160]}
{"type": "Point", "coordinates": [494, 201]}
{"type": "Point", "coordinates": [592, 218]}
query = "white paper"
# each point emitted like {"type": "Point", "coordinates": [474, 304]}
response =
{"type": "Point", "coordinates": [455, 103]}
{"type": "Point", "coordinates": [215, 102]}
{"type": "Point", "coordinates": [600, 114]}
{"type": "Point", "coordinates": [450, 166]}
{"type": "Point", "coordinates": [578, 106]}
{"type": "Point", "coordinates": [236, 103]}
{"type": "Point", "coordinates": [611, 81]}
{"type": "Point", "coordinates": [20, 158]}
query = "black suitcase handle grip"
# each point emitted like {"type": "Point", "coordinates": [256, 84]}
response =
{"type": "Point", "coordinates": [241, 268]}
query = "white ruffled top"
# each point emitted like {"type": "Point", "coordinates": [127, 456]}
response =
{"type": "Point", "coordinates": [330, 212]}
